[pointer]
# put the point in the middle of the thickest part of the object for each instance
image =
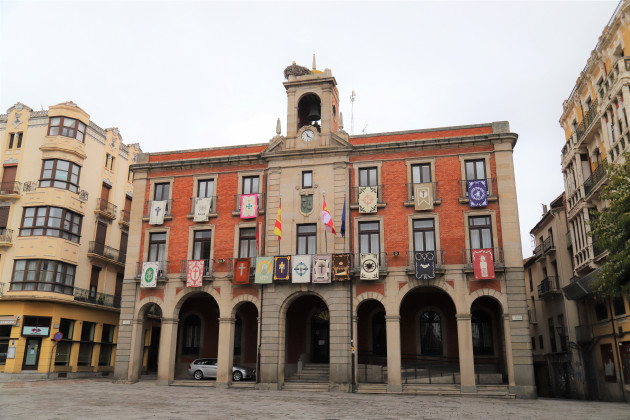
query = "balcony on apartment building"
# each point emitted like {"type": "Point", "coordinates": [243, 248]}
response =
{"type": "Point", "coordinates": [163, 269]}
{"type": "Point", "coordinates": [355, 263]}
{"type": "Point", "coordinates": [125, 218]}
{"type": "Point", "coordinates": [497, 255]}
{"type": "Point", "coordinates": [168, 211]}
{"type": "Point", "coordinates": [208, 268]}
{"type": "Point", "coordinates": [491, 183]}
{"type": "Point", "coordinates": [411, 262]}
{"type": "Point", "coordinates": [354, 196]}
{"type": "Point", "coordinates": [106, 254]}
{"type": "Point", "coordinates": [6, 237]}
{"type": "Point", "coordinates": [91, 296]}
{"type": "Point", "coordinates": [594, 182]}
{"type": "Point", "coordinates": [237, 203]}
{"type": "Point", "coordinates": [411, 188]}
{"type": "Point", "coordinates": [549, 286]}
{"type": "Point", "coordinates": [10, 190]}
{"type": "Point", "coordinates": [538, 251]}
{"type": "Point", "coordinates": [212, 212]}
{"type": "Point", "coordinates": [548, 245]}
{"type": "Point", "coordinates": [105, 209]}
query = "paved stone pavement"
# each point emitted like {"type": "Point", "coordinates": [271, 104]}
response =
{"type": "Point", "coordinates": [101, 399]}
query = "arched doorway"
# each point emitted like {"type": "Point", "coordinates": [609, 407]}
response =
{"type": "Point", "coordinates": [246, 335]}
{"type": "Point", "coordinates": [307, 340]}
{"type": "Point", "coordinates": [198, 332]}
{"type": "Point", "coordinates": [428, 337]}
{"type": "Point", "coordinates": [371, 342]}
{"type": "Point", "coordinates": [488, 341]}
{"type": "Point", "coordinates": [148, 344]}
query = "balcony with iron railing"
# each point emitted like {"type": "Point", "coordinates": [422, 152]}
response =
{"type": "Point", "coordinates": [163, 269]}
{"type": "Point", "coordinates": [491, 184]}
{"type": "Point", "coordinates": [91, 296]}
{"type": "Point", "coordinates": [549, 285]}
{"type": "Point", "coordinates": [208, 268]}
{"type": "Point", "coordinates": [237, 203]}
{"type": "Point", "coordinates": [538, 251]}
{"type": "Point", "coordinates": [105, 209]}
{"type": "Point", "coordinates": [168, 215]}
{"type": "Point", "coordinates": [411, 187]}
{"type": "Point", "coordinates": [548, 245]}
{"type": "Point", "coordinates": [354, 196]}
{"type": "Point", "coordinates": [593, 182]}
{"type": "Point", "coordinates": [382, 262]}
{"type": "Point", "coordinates": [125, 217]}
{"type": "Point", "coordinates": [212, 211]}
{"type": "Point", "coordinates": [6, 237]}
{"type": "Point", "coordinates": [411, 261]}
{"type": "Point", "coordinates": [587, 121]}
{"type": "Point", "coordinates": [10, 189]}
{"type": "Point", "coordinates": [106, 254]}
{"type": "Point", "coordinates": [497, 255]}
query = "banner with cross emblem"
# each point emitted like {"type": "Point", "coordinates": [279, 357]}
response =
{"type": "Point", "coordinates": [321, 268]}
{"type": "Point", "coordinates": [241, 271]}
{"type": "Point", "coordinates": [149, 274]}
{"type": "Point", "coordinates": [301, 270]}
{"type": "Point", "coordinates": [249, 206]}
{"type": "Point", "coordinates": [282, 268]}
{"type": "Point", "coordinates": [194, 278]}
{"type": "Point", "coordinates": [157, 210]}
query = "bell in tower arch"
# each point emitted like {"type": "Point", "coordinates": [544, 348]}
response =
{"type": "Point", "coordinates": [314, 113]}
{"type": "Point", "coordinates": [309, 110]}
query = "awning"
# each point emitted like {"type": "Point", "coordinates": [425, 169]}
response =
{"type": "Point", "coordinates": [9, 320]}
{"type": "Point", "coordinates": [581, 287]}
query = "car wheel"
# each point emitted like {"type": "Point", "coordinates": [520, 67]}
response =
{"type": "Point", "coordinates": [237, 376]}
{"type": "Point", "coordinates": [198, 375]}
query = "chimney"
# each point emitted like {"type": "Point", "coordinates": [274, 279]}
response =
{"type": "Point", "coordinates": [544, 209]}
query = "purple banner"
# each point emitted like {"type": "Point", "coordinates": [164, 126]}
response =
{"type": "Point", "coordinates": [478, 193]}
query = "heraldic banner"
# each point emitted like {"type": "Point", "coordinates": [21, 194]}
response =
{"type": "Point", "coordinates": [425, 265]}
{"type": "Point", "coordinates": [264, 270]}
{"type": "Point", "coordinates": [301, 269]}
{"type": "Point", "coordinates": [341, 267]}
{"type": "Point", "coordinates": [157, 210]}
{"type": "Point", "coordinates": [368, 199]}
{"type": "Point", "coordinates": [321, 268]}
{"type": "Point", "coordinates": [149, 274]}
{"type": "Point", "coordinates": [483, 263]}
{"type": "Point", "coordinates": [249, 206]}
{"type": "Point", "coordinates": [282, 268]}
{"type": "Point", "coordinates": [478, 193]}
{"type": "Point", "coordinates": [202, 209]}
{"type": "Point", "coordinates": [369, 266]}
{"type": "Point", "coordinates": [194, 278]}
{"type": "Point", "coordinates": [241, 271]}
{"type": "Point", "coordinates": [423, 196]}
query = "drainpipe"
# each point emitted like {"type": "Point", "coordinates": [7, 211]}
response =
{"type": "Point", "coordinates": [616, 345]}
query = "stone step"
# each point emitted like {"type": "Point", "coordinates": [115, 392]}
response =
{"type": "Point", "coordinates": [372, 389]}
{"type": "Point", "coordinates": [305, 387]}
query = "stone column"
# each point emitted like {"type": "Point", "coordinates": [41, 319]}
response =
{"type": "Point", "coordinates": [355, 348]}
{"type": "Point", "coordinates": [136, 354]}
{"type": "Point", "coordinates": [509, 359]}
{"type": "Point", "coordinates": [394, 380]}
{"type": "Point", "coordinates": [225, 358]}
{"type": "Point", "coordinates": [466, 357]}
{"type": "Point", "coordinates": [168, 346]}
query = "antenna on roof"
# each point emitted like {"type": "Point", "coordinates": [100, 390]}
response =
{"type": "Point", "coordinates": [363, 131]}
{"type": "Point", "coordinates": [352, 98]}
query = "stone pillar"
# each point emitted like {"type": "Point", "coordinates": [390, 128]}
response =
{"type": "Point", "coordinates": [466, 357]}
{"type": "Point", "coordinates": [225, 358]}
{"type": "Point", "coordinates": [394, 380]}
{"type": "Point", "coordinates": [355, 352]}
{"type": "Point", "coordinates": [168, 346]}
{"type": "Point", "coordinates": [509, 359]}
{"type": "Point", "coordinates": [136, 355]}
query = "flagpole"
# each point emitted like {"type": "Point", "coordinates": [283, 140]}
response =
{"type": "Point", "coordinates": [325, 234]}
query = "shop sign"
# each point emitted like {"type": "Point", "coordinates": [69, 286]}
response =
{"type": "Point", "coordinates": [9, 320]}
{"type": "Point", "coordinates": [38, 331]}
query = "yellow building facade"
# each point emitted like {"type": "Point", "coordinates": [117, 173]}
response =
{"type": "Point", "coordinates": [595, 119]}
{"type": "Point", "coordinates": [65, 197]}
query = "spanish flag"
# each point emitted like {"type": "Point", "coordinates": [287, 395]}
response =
{"type": "Point", "coordinates": [278, 226]}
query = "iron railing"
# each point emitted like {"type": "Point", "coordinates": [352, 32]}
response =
{"type": "Point", "coordinates": [162, 269]}
{"type": "Point", "coordinates": [588, 119]}
{"type": "Point", "coordinates": [105, 206]}
{"type": "Point", "coordinates": [497, 255]}
{"type": "Point", "coordinates": [549, 284]}
{"type": "Point", "coordinates": [410, 259]}
{"type": "Point", "coordinates": [208, 267]}
{"type": "Point", "coordinates": [490, 182]}
{"type": "Point", "coordinates": [213, 204]}
{"type": "Point", "coordinates": [107, 252]}
{"type": "Point", "coordinates": [538, 251]}
{"type": "Point", "coordinates": [371, 368]}
{"type": "Point", "coordinates": [91, 296]}
{"type": "Point", "coordinates": [6, 235]}
{"type": "Point", "coordinates": [411, 190]}
{"type": "Point", "coordinates": [261, 202]}
{"type": "Point", "coordinates": [382, 262]}
{"type": "Point", "coordinates": [416, 368]}
{"type": "Point", "coordinates": [167, 211]}
{"type": "Point", "coordinates": [125, 216]}
{"type": "Point", "coordinates": [380, 193]}
{"type": "Point", "coordinates": [548, 244]}
{"type": "Point", "coordinates": [598, 174]}
{"type": "Point", "coordinates": [10, 188]}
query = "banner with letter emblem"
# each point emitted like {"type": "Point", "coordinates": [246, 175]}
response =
{"type": "Point", "coordinates": [321, 268]}
{"type": "Point", "coordinates": [483, 263]}
{"type": "Point", "coordinates": [369, 266]}
{"type": "Point", "coordinates": [241, 271]}
{"type": "Point", "coordinates": [249, 206]}
{"type": "Point", "coordinates": [341, 267]}
{"type": "Point", "coordinates": [149, 274]}
{"type": "Point", "coordinates": [264, 270]}
{"type": "Point", "coordinates": [423, 196]}
{"type": "Point", "coordinates": [425, 265]}
{"type": "Point", "coordinates": [478, 193]}
{"type": "Point", "coordinates": [368, 199]}
{"type": "Point", "coordinates": [202, 209]}
{"type": "Point", "coordinates": [194, 278]}
{"type": "Point", "coordinates": [156, 214]}
{"type": "Point", "coordinates": [301, 270]}
{"type": "Point", "coordinates": [282, 268]}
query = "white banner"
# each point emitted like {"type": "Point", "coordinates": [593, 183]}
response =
{"type": "Point", "coordinates": [202, 209]}
{"type": "Point", "coordinates": [156, 215]}
{"type": "Point", "coordinates": [149, 274]}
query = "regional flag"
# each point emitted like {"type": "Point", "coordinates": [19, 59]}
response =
{"type": "Point", "coordinates": [277, 229]}
{"type": "Point", "coordinates": [327, 219]}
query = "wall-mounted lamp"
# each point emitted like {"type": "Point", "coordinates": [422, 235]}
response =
{"type": "Point", "coordinates": [396, 253]}
{"type": "Point", "coordinates": [220, 260]}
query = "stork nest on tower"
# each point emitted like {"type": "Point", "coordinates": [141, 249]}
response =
{"type": "Point", "coordinates": [295, 70]}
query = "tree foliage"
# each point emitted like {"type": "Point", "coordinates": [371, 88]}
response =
{"type": "Point", "coordinates": [611, 230]}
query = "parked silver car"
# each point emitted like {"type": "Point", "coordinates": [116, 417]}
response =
{"type": "Point", "coordinates": [207, 368]}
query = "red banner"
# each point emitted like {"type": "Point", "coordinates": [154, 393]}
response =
{"type": "Point", "coordinates": [241, 271]}
{"type": "Point", "coordinates": [483, 263]}
{"type": "Point", "coordinates": [194, 278]}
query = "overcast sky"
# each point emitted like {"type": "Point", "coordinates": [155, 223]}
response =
{"type": "Point", "coordinates": [179, 75]}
